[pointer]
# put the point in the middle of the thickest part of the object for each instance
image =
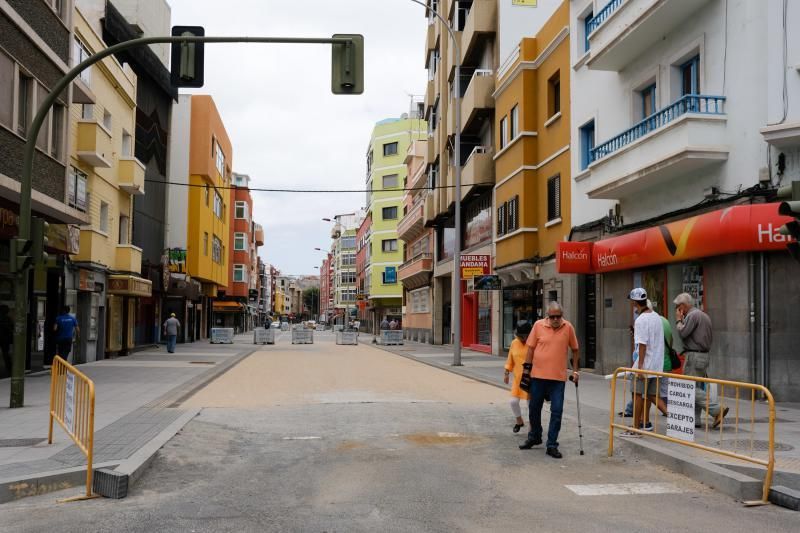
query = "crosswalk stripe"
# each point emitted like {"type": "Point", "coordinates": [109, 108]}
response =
{"type": "Point", "coordinates": [621, 489]}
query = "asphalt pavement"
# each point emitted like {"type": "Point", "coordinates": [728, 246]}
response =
{"type": "Point", "coordinates": [353, 438]}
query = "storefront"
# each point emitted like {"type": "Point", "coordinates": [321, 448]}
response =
{"type": "Point", "coordinates": [734, 263]}
{"type": "Point", "coordinates": [123, 293]}
{"type": "Point", "coordinates": [229, 314]}
{"type": "Point", "coordinates": [521, 303]}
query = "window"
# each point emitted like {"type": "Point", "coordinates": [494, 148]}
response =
{"type": "Point", "coordinates": [503, 132]}
{"type": "Point", "coordinates": [216, 250]}
{"type": "Point", "coordinates": [239, 273]}
{"type": "Point", "coordinates": [554, 197]}
{"type": "Point", "coordinates": [501, 219]}
{"type": "Point", "coordinates": [217, 204]}
{"type": "Point", "coordinates": [348, 260]}
{"type": "Point", "coordinates": [57, 131]}
{"type": "Point", "coordinates": [391, 181]}
{"type": "Point", "coordinates": [127, 144]}
{"type": "Point", "coordinates": [347, 278]}
{"type": "Point", "coordinates": [124, 223]}
{"type": "Point", "coordinates": [104, 217]}
{"type": "Point", "coordinates": [587, 143]}
{"type": "Point", "coordinates": [220, 161]}
{"type": "Point", "coordinates": [76, 189]}
{"type": "Point", "coordinates": [239, 241]}
{"type": "Point", "coordinates": [514, 116]}
{"type": "Point", "coordinates": [80, 53]}
{"type": "Point", "coordinates": [389, 245]}
{"type": "Point", "coordinates": [648, 98]}
{"type": "Point", "coordinates": [419, 300]}
{"type": "Point", "coordinates": [24, 88]}
{"type": "Point", "coordinates": [87, 112]}
{"type": "Point", "coordinates": [57, 6]}
{"type": "Point", "coordinates": [390, 213]}
{"type": "Point", "coordinates": [389, 149]}
{"type": "Point", "coordinates": [6, 90]}
{"type": "Point", "coordinates": [349, 242]}
{"type": "Point", "coordinates": [389, 276]}
{"type": "Point", "coordinates": [206, 194]}
{"type": "Point", "coordinates": [205, 243]}
{"type": "Point", "coordinates": [554, 98]}
{"type": "Point", "coordinates": [241, 210]}
{"type": "Point", "coordinates": [107, 119]}
{"type": "Point", "coordinates": [587, 30]}
{"type": "Point", "coordinates": [690, 76]}
{"type": "Point", "coordinates": [513, 214]}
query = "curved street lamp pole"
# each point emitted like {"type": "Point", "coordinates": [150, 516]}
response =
{"type": "Point", "coordinates": [455, 307]}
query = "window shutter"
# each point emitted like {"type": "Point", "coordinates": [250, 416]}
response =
{"type": "Point", "coordinates": [513, 214]}
{"type": "Point", "coordinates": [501, 220]}
{"type": "Point", "coordinates": [554, 198]}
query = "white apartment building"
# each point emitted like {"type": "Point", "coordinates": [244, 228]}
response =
{"type": "Point", "coordinates": [671, 101]}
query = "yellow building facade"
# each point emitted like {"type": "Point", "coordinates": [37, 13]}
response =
{"type": "Point", "coordinates": [532, 169]}
{"type": "Point", "coordinates": [103, 179]}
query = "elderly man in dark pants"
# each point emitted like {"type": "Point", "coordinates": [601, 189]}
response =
{"type": "Point", "coordinates": [694, 328]}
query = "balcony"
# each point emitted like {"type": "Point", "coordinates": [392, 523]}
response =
{"type": "Point", "coordinates": [94, 144]}
{"type": "Point", "coordinates": [477, 171]}
{"type": "Point", "coordinates": [416, 272]}
{"type": "Point", "coordinates": [430, 40]}
{"type": "Point", "coordinates": [624, 29]}
{"type": "Point", "coordinates": [131, 175]}
{"type": "Point", "coordinates": [481, 22]}
{"type": "Point", "coordinates": [412, 225]}
{"type": "Point", "coordinates": [679, 139]}
{"type": "Point", "coordinates": [783, 136]}
{"type": "Point", "coordinates": [128, 258]}
{"type": "Point", "coordinates": [429, 210]}
{"type": "Point", "coordinates": [259, 235]}
{"type": "Point", "coordinates": [430, 95]}
{"type": "Point", "coordinates": [478, 102]}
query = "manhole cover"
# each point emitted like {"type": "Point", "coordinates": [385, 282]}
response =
{"type": "Point", "coordinates": [15, 443]}
{"type": "Point", "coordinates": [758, 445]}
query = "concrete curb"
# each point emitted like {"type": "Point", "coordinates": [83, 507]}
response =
{"type": "Point", "coordinates": [727, 481]}
{"type": "Point", "coordinates": [44, 482]}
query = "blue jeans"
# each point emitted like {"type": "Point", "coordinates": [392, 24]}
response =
{"type": "Point", "coordinates": [171, 341]}
{"type": "Point", "coordinates": [554, 389]}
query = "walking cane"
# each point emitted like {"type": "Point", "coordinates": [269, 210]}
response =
{"type": "Point", "coordinates": [578, 402]}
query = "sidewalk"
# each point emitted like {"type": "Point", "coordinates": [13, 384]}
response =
{"type": "Point", "coordinates": [739, 479]}
{"type": "Point", "coordinates": [137, 402]}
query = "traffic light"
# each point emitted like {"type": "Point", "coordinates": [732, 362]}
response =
{"type": "Point", "coordinates": [347, 64]}
{"type": "Point", "coordinates": [187, 58]}
{"type": "Point", "coordinates": [39, 240]}
{"type": "Point", "coordinates": [791, 208]}
{"type": "Point", "coordinates": [18, 257]}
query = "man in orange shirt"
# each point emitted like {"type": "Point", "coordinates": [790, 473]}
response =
{"type": "Point", "coordinates": [547, 353]}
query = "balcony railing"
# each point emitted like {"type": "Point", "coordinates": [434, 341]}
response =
{"type": "Point", "coordinates": [603, 14]}
{"type": "Point", "coordinates": [690, 103]}
{"type": "Point", "coordinates": [418, 257]}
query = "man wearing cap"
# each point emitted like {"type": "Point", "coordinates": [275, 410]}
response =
{"type": "Point", "coordinates": [648, 338]}
{"type": "Point", "coordinates": [694, 328]}
{"type": "Point", "coordinates": [547, 343]}
{"type": "Point", "coordinates": [171, 327]}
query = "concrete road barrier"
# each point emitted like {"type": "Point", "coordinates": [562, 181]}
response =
{"type": "Point", "coordinates": [302, 336]}
{"type": "Point", "coordinates": [263, 336]}
{"type": "Point", "coordinates": [391, 336]}
{"type": "Point", "coordinates": [346, 337]}
{"type": "Point", "coordinates": [221, 335]}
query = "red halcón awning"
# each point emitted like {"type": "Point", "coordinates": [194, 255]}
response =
{"type": "Point", "coordinates": [741, 228]}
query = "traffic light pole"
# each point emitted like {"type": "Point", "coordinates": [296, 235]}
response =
{"type": "Point", "coordinates": [21, 298]}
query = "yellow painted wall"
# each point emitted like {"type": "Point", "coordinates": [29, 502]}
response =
{"type": "Point", "coordinates": [115, 90]}
{"type": "Point", "coordinates": [528, 88]}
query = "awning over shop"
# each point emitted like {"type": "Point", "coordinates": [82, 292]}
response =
{"type": "Point", "coordinates": [127, 285]}
{"type": "Point", "coordinates": [228, 307]}
{"type": "Point", "coordinates": [741, 228]}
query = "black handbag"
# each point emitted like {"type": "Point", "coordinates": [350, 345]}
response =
{"type": "Point", "coordinates": [674, 360]}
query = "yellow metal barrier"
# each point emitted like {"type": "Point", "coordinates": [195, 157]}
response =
{"type": "Point", "coordinates": [638, 374]}
{"type": "Point", "coordinates": [72, 406]}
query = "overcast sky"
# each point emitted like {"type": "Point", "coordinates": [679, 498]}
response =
{"type": "Point", "coordinates": [287, 129]}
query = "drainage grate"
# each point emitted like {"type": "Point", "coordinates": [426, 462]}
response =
{"type": "Point", "coordinates": [18, 443]}
{"type": "Point", "coordinates": [758, 445]}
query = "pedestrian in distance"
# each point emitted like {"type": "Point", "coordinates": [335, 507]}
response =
{"type": "Point", "coordinates": [384, 323]}
{"type": "Point", "coordinates": [648, 338]}
{"type": "Point", "coordinates": [6, 337]}
{"type": "Point", "coordinates": [171, 328]}
{"type": "Point", "coordinates": [516, 358]}
{"type": "Point", "coordinates": [694, 329]}
{"type": "Point", "coordinates": [66, 330]}
{"type": "Point", "coordinates": [393, 324]}
{"type": "Point", "coordinates": [545, 372]}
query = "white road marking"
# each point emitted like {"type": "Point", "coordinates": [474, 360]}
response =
{"type": "Point", "coordinates": [302, 438]}
{"type": "Point", "coordinates": [621, 489]}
